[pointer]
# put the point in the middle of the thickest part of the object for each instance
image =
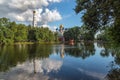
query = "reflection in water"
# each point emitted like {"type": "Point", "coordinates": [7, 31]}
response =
{"type": "Point", "coordinates": [86, 61]}
{"type": "Point", "coordinates": [25, 71]}
{"type": "Point", "coordinates": [114, 72]}
{"type": "Point", "coordinates": [93, 74]}
{"type": "Point", "coordinates": [62, 51]}
{"type": "Point", "coordinates": [82, 50]}
{"type": "Point", "coordinates": [10, 56]}
{"type": "Point", "coordinates": [41, 66]}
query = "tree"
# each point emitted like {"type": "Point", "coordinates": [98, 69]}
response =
{"type": "Point", "coordinates": [79, 33]}
{"type": "Point", "coordinates": [72, 33]}
{"type": "Point", "coordinates": [40, 34]}
{"type": "Point", "coordinates": [85, 33]}
{"type": "Point", "coordinates": [6, 35]}
{"type": "Point", "coordinates": [12, 32]}
{"type": "Point", "coordinates": [21, 33]}
{"type": "Point", "coordinates": [99, 13]}
{"type": "Point", "coordinates": [31, 34]}
{"type": "Point", "coordinates": [4, 22]}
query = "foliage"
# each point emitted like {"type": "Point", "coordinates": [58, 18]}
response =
{"type": "Point", "coordinates": [110, 34]}
{"type": "Point", "coordinates": [40, 34]}
{"type": "Point", "coordinates": [72, 33]}
{"type": "Point", "coordinates": [79, 33]}
{"type": "Point", "coordinates": [98, 12]}
{"type": "Point", "coordinates": [11, 32]}
{"type": "Point", "coordinates": [101, 13]}
{"type": "Point", "coordinates": [86, 34]}
{"type": "Point", "coordinates": [104, 34]}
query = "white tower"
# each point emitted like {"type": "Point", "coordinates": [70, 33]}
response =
{"type": "Point", "coordinates": [34, 19]}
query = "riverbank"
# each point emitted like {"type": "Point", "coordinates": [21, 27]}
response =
{"type": "Point", "coordinates": [16, 43]}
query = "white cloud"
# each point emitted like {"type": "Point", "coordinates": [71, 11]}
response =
{"type": "Point", "coordinates": [1, 1]}
{"type": "Point", "coordinates": [45, 25]}
{"type": "Point", "coordinates": [22, 16]}
{"type": "Point", "coordinates": [50, 16]}
{"type": "Point", "coordinates": [27, 4]}
{"type": "Point", "coordinates": [22, 10]}
{"type": "Point", "coordinates": [52, 28]}
{"type": "Point", "coordinates": [55, 0]}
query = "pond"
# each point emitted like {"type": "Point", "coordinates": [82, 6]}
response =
{"type": "Point", "coordinates": [83, 61]}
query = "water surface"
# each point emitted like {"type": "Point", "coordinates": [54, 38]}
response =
{"type": "Point", "coordinates": [83, 61]}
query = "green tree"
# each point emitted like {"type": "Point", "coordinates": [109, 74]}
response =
{"type": "Point", "coordinates": [21, 33]}
{"type": "Point", "coordinates": [4, 22]}
{"type": "Point", "coordinates": [86, 34]}
{"type": "Point", "coordinates": [31, 34]}
{"type": "Point", "coordinates": [72, 33]}
{"type": "Point", "coordinates": [6, 35]}
{"type": "Point", "coordinates": [12, 32]}
{"type": "Point", "coordinates": [40, 34]}
{"type": "Point", "coordinates": [99, 13]}
{"type": "Point", "coordinates": [79, 33]}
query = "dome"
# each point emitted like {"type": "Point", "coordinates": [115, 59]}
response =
{"type": "Point", "coordinates": [61, 26]}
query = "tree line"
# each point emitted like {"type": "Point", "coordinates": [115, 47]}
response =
{"type": "Point", "coordinates": [11, 32]}
{"type": "Point", "coordinates": [107, 34]}
{"type": "Point", "coordinates": [79, 33]}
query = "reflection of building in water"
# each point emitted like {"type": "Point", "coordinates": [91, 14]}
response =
{"type": "Point", "coordinates": [34, 65]}
{"type": "Point", "coordinates": [71, 42]}
{"type": "Point", "coordinates": [59, 50]}
{"type": "Point", "coordinates": [62, 51]}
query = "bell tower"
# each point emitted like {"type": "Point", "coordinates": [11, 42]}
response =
{"type": "Point", "coordinates": [34, 19]}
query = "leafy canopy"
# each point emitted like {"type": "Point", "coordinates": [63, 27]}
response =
{"type": "Point", "coordinates": [98, 13]}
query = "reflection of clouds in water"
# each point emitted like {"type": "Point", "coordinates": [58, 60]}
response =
{"type": "Point", "coordinates": [51, 65]}
{"type": "Point", "coordinates": [100, 76]}
{"type": "Point", "coordinates": [47, 65]}
{"type": "Point", "coordinates": [25, 71]}
{"type": "Point", "coordinates": [20, 74]}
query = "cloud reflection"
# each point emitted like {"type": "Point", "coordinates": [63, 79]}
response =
{"type": "Point", "coordinates": [26, 70]}
{"type": "Point", "coordinates": [100, 76]}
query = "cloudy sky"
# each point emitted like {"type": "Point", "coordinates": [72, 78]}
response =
{"type": "Point", "coordinates": [49, 12]}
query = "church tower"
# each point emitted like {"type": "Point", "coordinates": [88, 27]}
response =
{"type": "Point", "coordinates": [34, 19]}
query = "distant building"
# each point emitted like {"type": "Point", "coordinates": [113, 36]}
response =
{"type": "Point", "coordinates": [60, 33]}
{"type": "Point", "coordinates": [34, 19]}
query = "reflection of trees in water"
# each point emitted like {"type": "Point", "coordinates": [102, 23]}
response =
{"type": "Point", "coordinates": [10, 56]}
{"type": "Point", "coordinates": [108, 49]}
{"type": "Point", "coordinates": [84, 50]}
{"type": "Point", "coordinates": [114, 72]}
{"type": "Point", "coordinates": [105, 52]}
{"type": "Point", "coordinates": [39, 51]}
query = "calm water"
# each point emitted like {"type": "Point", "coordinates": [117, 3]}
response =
{"type": "Point", "coordinates": [83, 61]}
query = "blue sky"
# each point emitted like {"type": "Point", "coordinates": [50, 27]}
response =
{"type": "Point", "coordinates": [69, 17]}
